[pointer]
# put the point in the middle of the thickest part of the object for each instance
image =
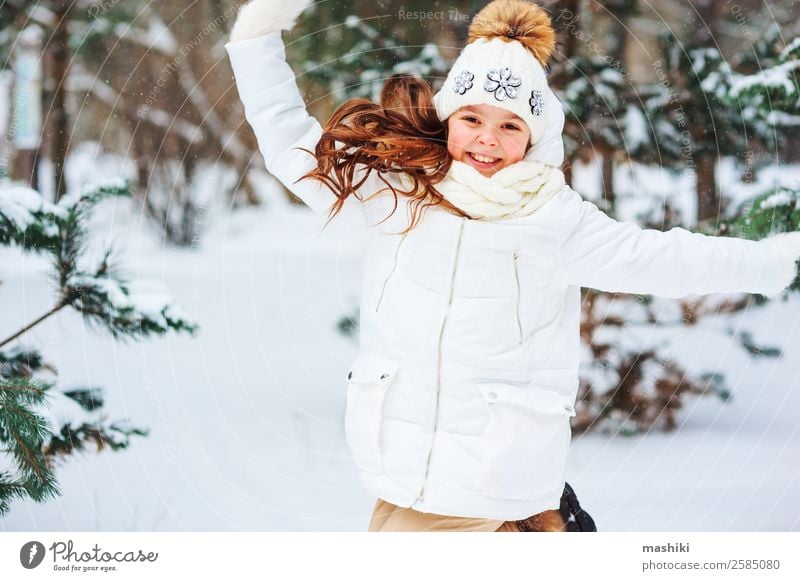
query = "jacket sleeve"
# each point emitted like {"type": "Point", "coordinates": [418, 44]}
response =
{"type": "Point", "coordinates": [277, 113]}
{"type": "Point", "coordinates": [608, 255]}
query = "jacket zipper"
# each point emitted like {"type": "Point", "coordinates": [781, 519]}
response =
{"type": "Point", "coordinates": [516, 278]}
{"type": "Point", "coordinates": [439, 362]}
{"type": "Point", "coordinates": [391, 272]}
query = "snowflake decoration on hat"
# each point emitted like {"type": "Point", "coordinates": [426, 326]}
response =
{"type": "Point", "coordinates": [537, 102]}
{"type": "Point", "coordinates": [463, 82]}
{"type": "Point", "coordinates": [502, 83]}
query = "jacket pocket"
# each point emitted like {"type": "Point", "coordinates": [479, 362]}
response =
{"type": "Point", "coordinates": [368, 380]}
{"type": "Point", "coordinates": [526, 440]}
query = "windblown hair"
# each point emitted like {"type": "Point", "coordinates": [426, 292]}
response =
{"type": "Point", "coordinates": [401, 134]}
{"type": "Point", "coordinates": [525, 22]}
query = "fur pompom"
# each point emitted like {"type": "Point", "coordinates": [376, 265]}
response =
{"type": "Point", "coordinates": [518, 20]}
{"type": "Point", "coordinates": [259, 17]}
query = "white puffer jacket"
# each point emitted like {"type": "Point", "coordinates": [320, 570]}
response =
{"type": "Point", "coordinates": [460, 400]}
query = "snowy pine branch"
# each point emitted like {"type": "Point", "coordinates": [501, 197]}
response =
{"type": "Point", "coordinates": [92, 194]}
{"type": "Point", "coordinates": [100, 295]}
{"type": "Point", "coordinates": [772, 212]}
{"type": "Point", "coordinates": [594, 99]}
{"type": "Point", "coordinates": [70, 440]}
{"type": "Point", "coordinates": [372, 57]}
{"type": "Point", "coordinates": [773, 90]}
{"type": "Point", "coordinates": [24, 431]}
{"type": "Point", "coordinates": [771, 93]}
{"type": "Point", "coordinates": [22, 390]}
{"type": "Point", "coordinates": [31, 438]}
{"type": "Point", "coordinates": [31, 222]}
{"type": "Point", "coordinates": [89, 398]}
{"type": "Point", "coordinates": [20, 363]}
{"type": "Point", "coordinates": [27, 220]}
{"type": "Point", "coordinates": [104, 300]}
{"type": "Point", "coordinates": [791, 52]}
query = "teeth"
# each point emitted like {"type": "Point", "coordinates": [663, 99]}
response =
{"type": "Point", "coordinates": [483, 158]}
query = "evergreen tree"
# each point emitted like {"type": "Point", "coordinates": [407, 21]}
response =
{"type": "Point", "coordinates": [349, 50]}
{"type": "Point", "coordinates": [101, 295]}
{"type": "Point", "coordinates": [772, 212]}
{"type": "Point", "coordinates": [372, 58]}
{"type": "Point", "coordinates": [595, 108]}
{"type": "Point", "coordinates": [169, 111]}
{"type": "Point", "coordinates": [705, 109]}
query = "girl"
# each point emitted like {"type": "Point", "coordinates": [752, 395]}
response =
{"type": "Point", "coordinates": [458, 406]}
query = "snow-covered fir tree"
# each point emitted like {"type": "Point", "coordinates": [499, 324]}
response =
{"type": "Point", "coordinates": [379, 40]}
{"type": "Point", "coordinates": [29, 442]}
{"type": "Point", "coordinates": [703, 109]}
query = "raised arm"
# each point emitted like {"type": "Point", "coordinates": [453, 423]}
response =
{"type": "Point", "coordinates": [273, 104]}
{"type": "Point", "coordinates": [608, 255]}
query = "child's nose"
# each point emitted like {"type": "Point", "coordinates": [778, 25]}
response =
{"type": "Point", "coordinates": [487, 137]}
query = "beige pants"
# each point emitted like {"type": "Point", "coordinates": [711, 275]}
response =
{"type": "Point", "coordinates": [389, 518]}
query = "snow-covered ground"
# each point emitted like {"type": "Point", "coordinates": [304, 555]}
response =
{"type": "Point", "coordinates": [246, 418]}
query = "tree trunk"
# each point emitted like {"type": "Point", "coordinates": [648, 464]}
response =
{"type": "Point", "coordinates": [704, 27]}
{"type": "Point", "coordinates": [704, 33]}
{"type": "Point", "coordinates": [617, 46]}
{"type": "Point", "coordinates": [566, 17]}
{"type": "Point", "coordinates": [59, 132]}
{"type": "Point", "coordinates": [708, 203]}
{"type": "Point", "coordinates": [25, 167]}
{"type": "Point", "coordinates": [608, 183]}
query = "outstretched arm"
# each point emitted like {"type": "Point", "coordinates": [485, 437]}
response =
{"type": "Point", "coordinates": [273, 104]}
{"type": "Point", "coordinates": [607, 255]}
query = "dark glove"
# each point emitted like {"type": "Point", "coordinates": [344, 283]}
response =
{"type": "Point", "coordinates": [576, 519]}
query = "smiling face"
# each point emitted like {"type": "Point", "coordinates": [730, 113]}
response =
{"type": "Point", "coordinates": [487, 138]}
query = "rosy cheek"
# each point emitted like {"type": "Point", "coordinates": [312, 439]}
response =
{"type": "Point", "coordinates": [518, 148]}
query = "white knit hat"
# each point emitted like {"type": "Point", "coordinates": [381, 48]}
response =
{"type": "Point", "coordinates": [502, 65]}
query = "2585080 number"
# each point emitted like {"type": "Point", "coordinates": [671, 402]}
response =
{"type": "Point", "coordinates": [756, 564]}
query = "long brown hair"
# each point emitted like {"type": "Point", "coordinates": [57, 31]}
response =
{"type": "Point", "coordinates": [401, 134]}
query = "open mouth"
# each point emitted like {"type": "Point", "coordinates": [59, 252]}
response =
{"type": "Point", "coordinates": [483, 161]}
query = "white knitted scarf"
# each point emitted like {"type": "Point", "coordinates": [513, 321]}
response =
{"type": "Point", "coordinates": [515, 191]}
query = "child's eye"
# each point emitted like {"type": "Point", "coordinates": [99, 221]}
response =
{"type": "Point", "coordinates": [470, 119]}
{"type": "Point", "coordinates": [510, 126]}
